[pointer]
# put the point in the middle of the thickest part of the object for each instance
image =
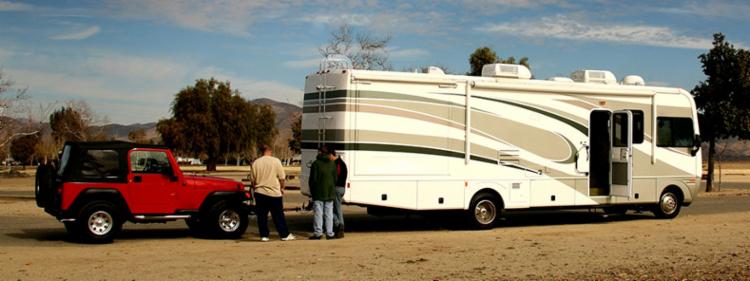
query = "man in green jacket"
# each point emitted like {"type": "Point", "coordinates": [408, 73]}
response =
{"type": "Point", "coordinates": [322, 187]}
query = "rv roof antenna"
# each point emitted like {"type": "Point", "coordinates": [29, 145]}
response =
{"type": "Point", "coordinates": [335, 61]}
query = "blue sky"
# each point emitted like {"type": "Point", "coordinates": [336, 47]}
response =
{"type": "Point", "coordinates": [127, 59]}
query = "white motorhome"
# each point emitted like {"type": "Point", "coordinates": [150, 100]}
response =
{"type": "Point", "coordinates": [503, 141]}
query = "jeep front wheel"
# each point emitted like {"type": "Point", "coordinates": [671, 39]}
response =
{"type": "Point", "coordinates": [226, 220]}
{"type": "Point", "coordinates": [98, 222]}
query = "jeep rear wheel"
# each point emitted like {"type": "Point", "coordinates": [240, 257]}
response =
{"type": "Point", "coordinates": [226, 220]}
{"type": "Point", "coordinates": [98, 222]}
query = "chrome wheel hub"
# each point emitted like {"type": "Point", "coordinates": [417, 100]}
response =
{"type": "Point", "coordinates": [229, 220]}
{"type": "Point", "coordinates": [100, 223]}
{"type": "Point", "coordinates": [668, 204]}
{"type": "Point", "coordinates": [485, 212]}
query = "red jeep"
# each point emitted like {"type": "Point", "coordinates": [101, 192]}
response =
{"type": "Point", "coordinates": [97, 186]}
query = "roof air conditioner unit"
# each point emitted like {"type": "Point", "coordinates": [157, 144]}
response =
{"type": "Point", "coordinates": [506, 71]}
{"type": "Point", "coordinates": [633, 80]}
{"type": "Point", "coordinates": [435, 70]}
{"type": "Point", "coordinates": [594, 76]}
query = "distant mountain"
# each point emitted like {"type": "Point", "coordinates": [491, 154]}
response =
{"type": "Point", "coordinates": [284, 113]}
{"type": "Point", "coordinates": [120, 132]}
{"type": "Point", "coordinates": [730, 149]}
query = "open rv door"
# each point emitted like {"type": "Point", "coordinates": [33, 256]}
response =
{"type": "Point", "coordinates": [622, 154]}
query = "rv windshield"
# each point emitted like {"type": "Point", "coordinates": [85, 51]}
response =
{"type": "Point", "coordinates": [674, 132]}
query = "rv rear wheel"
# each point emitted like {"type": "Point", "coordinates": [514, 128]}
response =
{"type": "Point", "coordinates": [669, 205]}
{"type": "Point", "coordinates": [484, 211]}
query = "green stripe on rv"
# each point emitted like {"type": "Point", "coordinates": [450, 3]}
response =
{"type": "Point", "coordinates": [407, 149]}
{"type": "Point", "coordinates": [310, 108]}
{"type": "Point", "coordinates": [373, 95]}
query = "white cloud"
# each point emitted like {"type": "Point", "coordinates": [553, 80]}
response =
{"type": "Point", "coordinates": [712, 9]}
{"type": "Point", "coordinates": [303, 63]}
{"type": "Point", "coordinates": [136, 67]}
{"type": "Point", "coordinates": [564, 27]}
{"type": "Point", "coordinates": [14, 6]}
{"type": "Point", "coordinates": [80, 35]}
{"type": "Point", "coordinates": [253, 89]}
{"type": "Point", "coordinates": [397, 53]}
{"type": "Point", "coordinates": [5, 54]}
{"type": "Point", "coordinates": [386, 22]}
{"type": "Point", "coordinates": [485, 6]}
{"type": "Point", "coordinates": [339, 19]}
{"type": "Point", "coordinates": [227, 16]}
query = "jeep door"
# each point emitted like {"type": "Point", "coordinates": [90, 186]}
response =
{"type": "Point", "coordinates": [152, 185]}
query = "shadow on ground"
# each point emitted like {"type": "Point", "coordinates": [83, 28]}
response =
{"type": "Point", "coordinates": [301, 224]}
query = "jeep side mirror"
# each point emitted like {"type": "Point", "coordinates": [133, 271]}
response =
{"type": "Point", "coordinates": [696, 145]}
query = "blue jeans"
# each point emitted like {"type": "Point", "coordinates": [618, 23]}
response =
{"type": "Point", "coordinates": [338, 214]}
{"type": "Point", "coordinates": [323, 211]}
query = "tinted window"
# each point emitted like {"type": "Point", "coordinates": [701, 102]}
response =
{"type": "Point", "coordinates": [98, 164]}
{"type": "Point", "coordinates": [149, 162]}
{"type": "Point", "coordinates": [64, 159]}
{"type": "Point", "coordinates": [620, 130]}
{"type": "Point", "coordinates": [674, 132]}
{"type": "Point", "coordinates": [637, 126]}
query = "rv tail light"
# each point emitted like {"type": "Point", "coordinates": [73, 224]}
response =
{"type": "Point", "coordinates": [348, 185]}
{"type": "Point", "coordinates": [466, 184]}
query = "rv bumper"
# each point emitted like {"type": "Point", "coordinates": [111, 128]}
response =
{"type": "Point", "coordinates": [693, 192]}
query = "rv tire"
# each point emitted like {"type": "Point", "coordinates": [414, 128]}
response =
{"type": "Point", "coordinates": [669, 205]}
{"type": "Point", "coordinates": [484, 211]}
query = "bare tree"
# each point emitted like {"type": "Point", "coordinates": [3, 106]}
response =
{"type": "Point", "coordinates": [363, 49]}
{"type": "Point", "coordinates": [12, 106]}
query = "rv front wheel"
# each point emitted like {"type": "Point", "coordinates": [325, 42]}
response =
{"type": "Point", "coordinates": [484, 211]}
{"type": "Point", "coordinates": [669, 205]}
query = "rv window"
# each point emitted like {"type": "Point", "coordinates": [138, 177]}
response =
{"type": "Point", "coordinates": [619, 130]}
{"type": "Point", "coordinates": [674, 132]}
{"type": "Point", "coordinates": [637, 126]}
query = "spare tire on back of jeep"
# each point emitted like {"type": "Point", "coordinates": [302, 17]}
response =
{"type": "Point", "coordinates": [45, 174]}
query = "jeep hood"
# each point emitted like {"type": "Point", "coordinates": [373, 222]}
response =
{"type": "Point", "coordinates": [212, 182]}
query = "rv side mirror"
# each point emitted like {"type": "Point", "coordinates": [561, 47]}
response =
{"type": "Point", "coordinates": [696, 145]}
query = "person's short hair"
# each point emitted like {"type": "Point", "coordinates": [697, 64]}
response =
{"type": "Point", "coordinates": [324, 149]}
{"type": "Point", "coordinates": [332, 151]}
{"type": "Point", "coordinates": [264, 148]}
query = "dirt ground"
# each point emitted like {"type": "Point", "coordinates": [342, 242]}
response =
{"type": "Point", "coordinates": [709, 240]}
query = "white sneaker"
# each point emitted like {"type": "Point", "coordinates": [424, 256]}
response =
{"type": "Point", "coordinates": [264, 239]}
{"type": "Point", "coordinates": [289, 237]}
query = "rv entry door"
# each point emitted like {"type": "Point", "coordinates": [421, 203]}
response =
{"type": "Point", "coordinates": [622, 154]}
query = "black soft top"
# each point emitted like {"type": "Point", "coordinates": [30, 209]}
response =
{"type": "Point", "coordinates": [114, 145]}
{"type": "Point", "coordinates": [106, 168]}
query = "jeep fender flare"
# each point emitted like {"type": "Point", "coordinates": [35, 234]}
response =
{"type": "Point", "coordinates": [106, 194]}
{"type": "Point", "coordinates": [216, 196]}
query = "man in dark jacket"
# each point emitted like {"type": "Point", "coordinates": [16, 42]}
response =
{"type": "Point", "coordinates": [321, 182]}
{"type": "Point", "coordinates": [338, 214]}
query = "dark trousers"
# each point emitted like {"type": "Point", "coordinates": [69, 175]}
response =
{"type": "Point", "coordinates": [275, 205]}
